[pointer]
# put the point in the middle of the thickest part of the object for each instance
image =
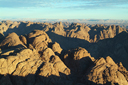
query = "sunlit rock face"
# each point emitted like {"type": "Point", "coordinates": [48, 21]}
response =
{"type": "Point", "coordinates": [90, 33]}
{"type": "Point", "coordinates": [99, 55]}
{"type": "Point", "coordinates": [26, 65]}
{"type": "Point", "coordinates": [105, 71]}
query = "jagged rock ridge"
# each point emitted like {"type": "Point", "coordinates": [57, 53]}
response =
{"type": "Point", "coordinates": [74, 30]}
{"type": "Point", "coordinates": [33, 59]}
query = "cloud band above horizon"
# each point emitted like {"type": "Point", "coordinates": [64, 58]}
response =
{"type": "Point", "coordinates": [64, 9]}
{"type": "Point", "coordinates": [84, 4]}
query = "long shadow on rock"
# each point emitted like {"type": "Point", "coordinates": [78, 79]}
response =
{"type": "Point", "coordinates": [67, 43]}
{"type": "Point", "coordinates": [95, 31]}
{"type": "Point", "coordinates": [115, 47]}
{"type": "Point", "coordinates": [23, 29]}
{"type": "Point", "coordinates": [1, 37]}
{"type": "Point", "coordinates": [33, 79]}
{"type": "Point", "coordinates": [10, 50]}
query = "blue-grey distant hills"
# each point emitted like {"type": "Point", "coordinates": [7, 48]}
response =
{"type": "Point", "coordinates": [122, 23]}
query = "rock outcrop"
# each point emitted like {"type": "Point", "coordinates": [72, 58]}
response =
{"type": "Point", "coordinates": [91, 33]}
{"type": "Point", "coordinates": [56, 48]}
{"type": "Point", "coordinates": [115, 47]}
{"type": "Point", "coordinates": [39, 40]}
{"type": "Point", "coordinates": [23, 39]}
{"type": "Point", "coordinates": [78, 59]}
{"type": "Point", "coordinates": [105, 72]}
{"type": "Point", "coordinates": [33, 59]}
{"type": "Point", "coordinates": [26, 65]}
{"type": "Point", "coordinates": [58, 28]}
{"type": "Point", "coordinates": [12, 40]}
{"type": "Point", "coordinates": [78, 31]}
{"type": "Point", "coordinates": [54, 62]}
{"type": "Point", "coordinates": [100, 32]}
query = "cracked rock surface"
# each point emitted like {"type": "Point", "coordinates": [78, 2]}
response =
{"type": "Point", "coordinates": [33, 59]}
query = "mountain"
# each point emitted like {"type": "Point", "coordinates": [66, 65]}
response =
{"type": "Point", "coordinates": [35, 53]}
{"type": "Point", "coordinates": [91, 33]}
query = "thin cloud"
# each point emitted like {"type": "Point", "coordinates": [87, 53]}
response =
{"type": "Point", "coordinates": [82, 4]}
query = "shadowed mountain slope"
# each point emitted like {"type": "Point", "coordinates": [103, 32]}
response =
{"type": "Point", "coordinates": [52, 54]}
{"type": "Point", "coordinates": [74, 30]}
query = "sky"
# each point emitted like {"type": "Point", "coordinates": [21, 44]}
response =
{"type": "Point", "coordinates": [64, 9]}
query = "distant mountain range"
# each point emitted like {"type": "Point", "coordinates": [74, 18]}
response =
{"type": "Point", "coordinates": [122, 23]}
{"type": "Point", "coordinates": [89, 32]}
{"type": "Point", "coordinates": [62, 53]}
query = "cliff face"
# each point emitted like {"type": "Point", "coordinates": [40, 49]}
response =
{"type": "Point", "coordinates": [93, 33]}
{"type": "Point", "coordinates": [33, 59]}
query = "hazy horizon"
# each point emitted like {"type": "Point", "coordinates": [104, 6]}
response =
{"type": "Point", "coordinates": [64, 9]}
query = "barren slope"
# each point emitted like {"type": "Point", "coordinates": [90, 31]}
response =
{"type": "Point", "coordinates": [34, 58]}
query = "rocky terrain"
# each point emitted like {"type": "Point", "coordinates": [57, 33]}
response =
{"type": "Point", "coordinates": [34, 53]}
{"type": "Point", "coordinates": [90, 33]}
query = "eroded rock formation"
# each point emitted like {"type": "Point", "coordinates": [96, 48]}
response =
{"type": "Point", "coordinates": [33, 59]}
{"type": "Point", "coordinates": [92, 33]}
{"type": "Point", "coordinates": [105, 72]}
